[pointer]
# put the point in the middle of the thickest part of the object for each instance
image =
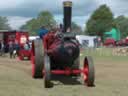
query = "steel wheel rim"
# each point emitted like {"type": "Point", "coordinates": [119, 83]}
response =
{"type": "Point", "coordinates": [33, 70]}
{"type": "Point", "coordinates": [86, 71]}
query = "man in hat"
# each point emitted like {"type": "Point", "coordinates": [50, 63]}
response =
{"type": "Point", "coordinates": [42, 31]}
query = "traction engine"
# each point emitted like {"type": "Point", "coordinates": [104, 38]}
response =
{"type": "Point", "coordinates": [58, 54]}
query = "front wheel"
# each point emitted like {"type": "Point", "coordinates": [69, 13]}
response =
{"type": "Point", "coordinates": [47, 72]}
{"type": "Point", "coordinates": [89, 73]}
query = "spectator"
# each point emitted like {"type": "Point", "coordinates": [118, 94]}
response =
{"type": "Point", "coordinates": [26, 46]}
{"type": "Point", "coordinates": [95, 42]}
{"type": "Point", "coordinates": [16, 49]}
{"type": "Point", "coordinates": [2, 48]}
{"type": "Point", "coordinates": [11, 48]}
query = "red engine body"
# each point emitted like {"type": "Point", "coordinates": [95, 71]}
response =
{"type": "Point", "coordinates": [63, 52]}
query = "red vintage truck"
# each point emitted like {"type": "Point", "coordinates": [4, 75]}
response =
{"type": "Point", "coordinates": [14, 35]}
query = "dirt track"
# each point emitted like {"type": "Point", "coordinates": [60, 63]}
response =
{"type": "Point", "coordinates": [111, 80]}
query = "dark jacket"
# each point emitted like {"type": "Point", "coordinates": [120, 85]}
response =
{"type": "Point", "coordinates": [16, 47]}
{"type": "Point", "coordinates": [11, 47]}
{"type": "Point", "coordinates": [0, 45]}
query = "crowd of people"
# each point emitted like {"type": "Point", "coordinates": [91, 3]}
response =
{"type": "Point", "coordinates": [13, 48]}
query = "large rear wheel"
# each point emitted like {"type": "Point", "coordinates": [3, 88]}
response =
{"type": "Point", "coordinates": [37, 59]}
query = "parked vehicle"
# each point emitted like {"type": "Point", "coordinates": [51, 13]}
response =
{"type": "Point", "coordinates": [21, 37]}
{"type": "Point", "coordinates": [113, 38]}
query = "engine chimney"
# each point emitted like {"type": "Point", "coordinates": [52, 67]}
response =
{"type": "Point", "coordinates": [67, 15]}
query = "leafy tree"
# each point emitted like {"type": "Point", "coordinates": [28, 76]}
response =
{"type": "Point", "coordinates": [45, 18]}
{"type": "Point", "coordinates": [4, 23]}
{"type": "Point", "coordinates": [76, 28]}
{"type": "Point", "coordinates": [122, 25]}
{"type": "Point", "coordinates": [100, 21]}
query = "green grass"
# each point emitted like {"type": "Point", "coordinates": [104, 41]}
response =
{"type": "Point", "coordinates": [111, 78]}
{"type": "Point", "coordinates": [103, 54]}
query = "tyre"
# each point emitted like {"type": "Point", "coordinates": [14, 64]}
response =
{"type": "Point", "coordinates": [37, 65]}
{"type": "Point", "coordinates": [47, 72]}
{"type": "Point", "coordinates": [89, 73]}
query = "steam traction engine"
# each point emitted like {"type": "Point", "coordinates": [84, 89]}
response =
{"type": "Point", "coordinates": [58, 54]}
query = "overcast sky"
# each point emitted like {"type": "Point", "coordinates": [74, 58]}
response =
{"type": "Point", "coordinates": [19, 11]}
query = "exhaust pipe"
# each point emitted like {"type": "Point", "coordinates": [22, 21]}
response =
{"type": "Point", "coordinates": [67, 15]}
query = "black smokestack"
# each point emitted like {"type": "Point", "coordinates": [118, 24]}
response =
{"type": "Point", "coordinates": [67, 15]}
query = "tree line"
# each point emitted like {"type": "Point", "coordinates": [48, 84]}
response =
{"type": "Point", "coordinates": [4, 23]}
{"type": "Point", "coordinates": [100, 21]}
{"type": "Point", "coordinates": [45, 18]}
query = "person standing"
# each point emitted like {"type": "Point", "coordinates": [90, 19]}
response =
{"type": "Point", "coordinates": [11, 48]}
{"type": "Point", "coordinates": [26, 46]}
{"type": "Point", "coordinates": [16, 49]}
{"type": "Point", "coordinates": [2, 48]}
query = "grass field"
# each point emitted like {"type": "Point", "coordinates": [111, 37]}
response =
{"type": "Point", "coordinates": [111, 78]}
